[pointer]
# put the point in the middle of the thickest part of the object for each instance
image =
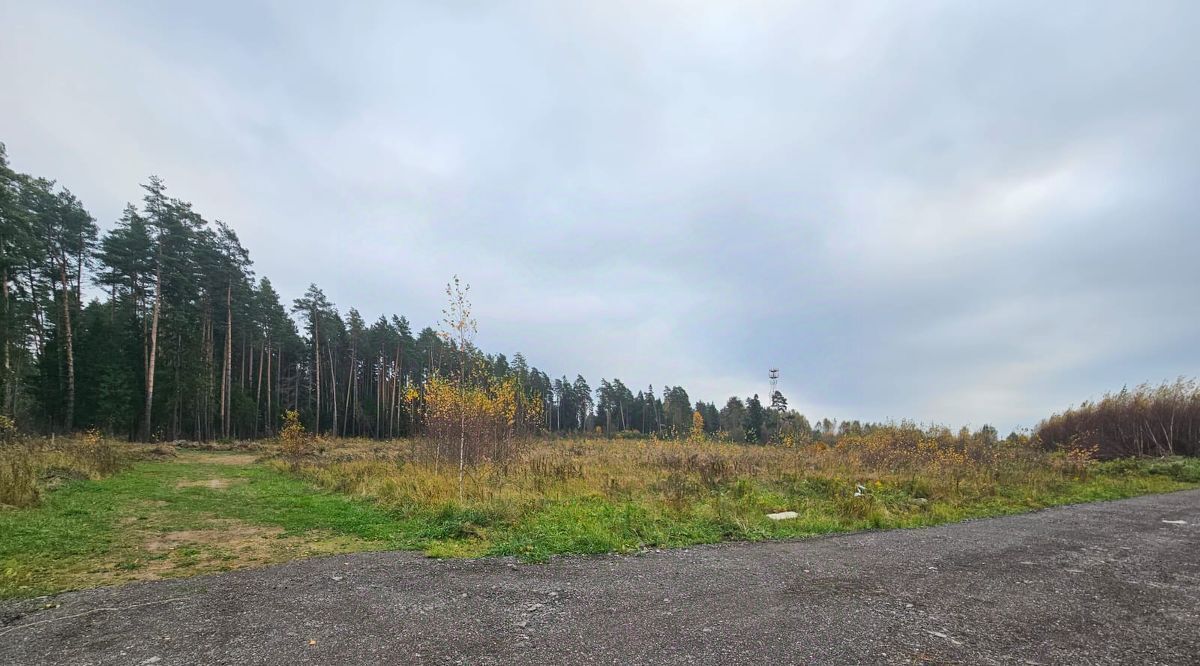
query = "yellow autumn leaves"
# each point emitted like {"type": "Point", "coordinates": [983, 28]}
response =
{"type": "Point", "coordinates": [489, 418]}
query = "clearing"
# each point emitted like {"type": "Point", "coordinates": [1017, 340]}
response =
{"type": "Point", "coordinates": [179, 514]}
{"type": "Point", "coordinates": [1102, 583]}
{"type": "Point", "coordinates": [163, 519]}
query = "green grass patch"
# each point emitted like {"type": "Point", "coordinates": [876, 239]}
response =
{"type": "Point", "coordinates": [145, 520]}
{"type": "Point", "coordinates": [535, 518]}
{"type": "Point", "coordinates": [208, 512]}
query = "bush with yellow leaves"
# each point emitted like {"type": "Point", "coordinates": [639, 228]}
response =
{"type": "Point", "coordinates": [483, 423]}
{"type": "Point", "coordinates": [294, 442]}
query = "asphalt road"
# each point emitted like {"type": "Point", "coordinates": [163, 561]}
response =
{"type": "Point", "coordinates": [1100, 583]}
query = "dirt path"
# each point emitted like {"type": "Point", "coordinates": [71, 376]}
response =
{"type": "Point", "coordinates": [218, 458]}
{"type": "Point", "coordinates": [1114, 582]}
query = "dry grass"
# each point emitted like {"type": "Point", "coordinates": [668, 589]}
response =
{"type": "Point", "coordinates": [169, 514]}
{"type": "Point", "coordinates": [593, 495]}
{"type": "Point", "coordinates": [207, 458]}
{"type": "Point", "coordinates": [400, 472]}
{"type": "Point", "coordinates": [30, 467]}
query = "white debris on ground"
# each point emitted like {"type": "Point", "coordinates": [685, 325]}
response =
{"type": "Point", "coordinates": [783, 515]}
{"type": "Point", "coordinates": [1175, 522]}
{"type": "Point", "coordinates": [940, 634]}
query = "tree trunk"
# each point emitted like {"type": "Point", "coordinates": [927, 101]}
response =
{"type": "Point", "coordinates": [397, 388]}
{"type": "Point", "coordinates": [349, 386]}
{"type": "Point", "coordinates": [175, 413]}
{"type": "Point", "coordinates": [270, 418]}
{"type": "Point", "coordinates": [79, 271]}
{"type": "Point", "coordinates": [258, 384]}
{"type": "Point", "coordinates": [226, 377]}
{"type": "Point", "coordinates": [333, 388]}
{"type": "Point", "coordinates": [210, 380]}
{"type": "Point", "coordinates": [8, 374]}
{"type": "Point", "coordinates": [462, 415]}
{"type": "Point", "coordinates": [462, 443]}
{"type": "Point", "coordinates": [150, 359]}
{"type": "Point", "coordinates": [317, 368]}
{"type": "Point", "coordinates": [69, 420]}
{"type": "Point", "coordinates": [378, 391]}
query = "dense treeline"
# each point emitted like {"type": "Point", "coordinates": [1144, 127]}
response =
{"type": "Point", "coordinates": [1149, 420]}
{"type": "Point", "coordinates": [186, 341]}
{"type": "Point", "coordinates": [159, 329]}
{"type": "Point", "coordinates": [182, 340]}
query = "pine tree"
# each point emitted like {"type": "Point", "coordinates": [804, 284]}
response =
{"type": "Point", "coordinates": [315, 308]}
{"type": "Point", "coordinates": [756, 418]}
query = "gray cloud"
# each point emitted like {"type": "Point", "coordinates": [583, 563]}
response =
{"type": "Point", "coordinates": [946, 211]}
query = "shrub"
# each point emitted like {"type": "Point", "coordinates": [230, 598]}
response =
{"type": "Point", "coordinates": [1147, 421]}
{"type": "Point", "coordinates": [18, 478]}
{"type": "Point", "coordinates": [98, 454]}
{"type": "Point", "coordinates": [864, 507]}
{"type": "Point", "coordinates": [31, 466]}
{"type": "Point", "coordinates": [483, 424]}
{"type": "Point", "coordinates": [9, 435]}
{"type": "Point", "coordinates": [1186, 471]}
{"type": "Point", "coordinates": [294, 442]}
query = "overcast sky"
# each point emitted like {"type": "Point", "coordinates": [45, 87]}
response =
{"type": "Point", "coordinates": [961, 212]}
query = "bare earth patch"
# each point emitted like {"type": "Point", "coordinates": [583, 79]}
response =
{"type": "Point", "coordinates": [219, 458]}
{"type": "Point", "coordinates": [232, 536]}
{"type": "Point", "coordinates": [212, 484]}
{"type": "Point", "coordinates": [224, 545]}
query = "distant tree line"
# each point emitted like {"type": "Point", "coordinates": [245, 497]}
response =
{"type": "Point", "coordinates": [186, 342]}
{"type": "Point", "coordinates": [1147, 420]}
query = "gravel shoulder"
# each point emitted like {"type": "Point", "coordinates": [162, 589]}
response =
{"type": "Point", "coordinates": [1105, 583]}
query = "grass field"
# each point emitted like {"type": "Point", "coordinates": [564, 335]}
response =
{"type": "Point", "coordinates": [193, 514]}
{"type": "Point", "coordinates": [189, 512]}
